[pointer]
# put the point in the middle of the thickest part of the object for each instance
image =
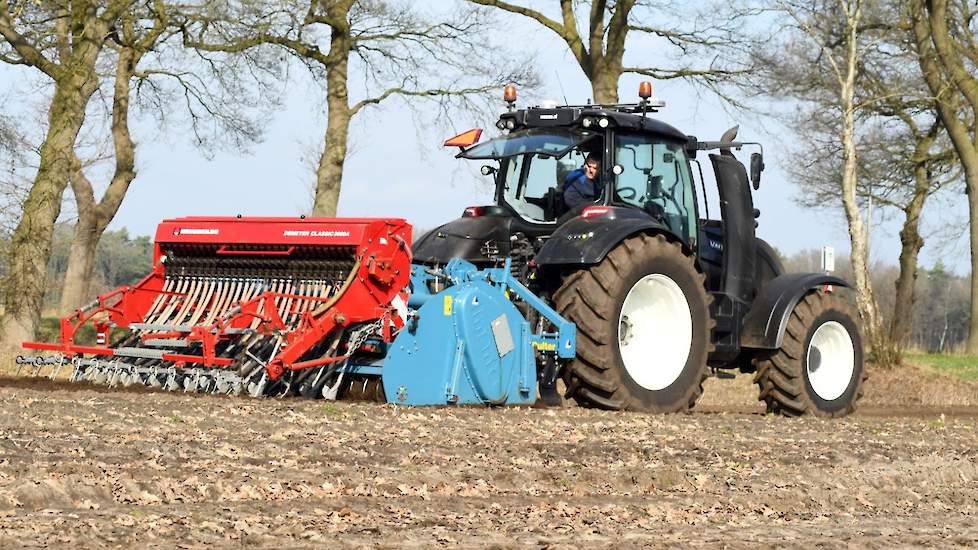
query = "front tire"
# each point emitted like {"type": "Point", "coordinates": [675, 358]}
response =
{"type": "Point", "coordinates": [643, 328]}
{"type": "Point", "coordinates": [819, 368]}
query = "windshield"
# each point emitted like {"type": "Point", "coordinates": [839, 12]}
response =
{"type": "Point", "coordinates": [532, 184]}
{"type": "Point", "coordinates": [545, 141]}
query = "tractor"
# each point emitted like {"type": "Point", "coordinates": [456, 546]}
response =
{"type": "Point", "coordinates": [661, 294]}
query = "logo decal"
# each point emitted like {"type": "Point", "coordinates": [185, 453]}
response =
{"type": "Point", "coordinates": [308, 233]}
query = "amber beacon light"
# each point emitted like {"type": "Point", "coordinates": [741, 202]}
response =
{"type": "Point", "coordinates": [509, 93]}
{"type": "Point", "coordinates": [645, 89]}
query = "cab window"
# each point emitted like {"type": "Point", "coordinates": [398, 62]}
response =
{"type": "Point", "coordinates": [527, 181]}
{"type": "Point", "coordinates": [655, 177]}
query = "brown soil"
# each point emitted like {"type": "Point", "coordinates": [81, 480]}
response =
{"type": "Point", "coordinates": [80, 466]}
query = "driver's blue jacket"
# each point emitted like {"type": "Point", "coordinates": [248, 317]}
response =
{"type": "Point", "coordinates": [578, 189]}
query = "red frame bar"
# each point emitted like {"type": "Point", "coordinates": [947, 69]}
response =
{"type": "Point", "coordinates": [94, 350]}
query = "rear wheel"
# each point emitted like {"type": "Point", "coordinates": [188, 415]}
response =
{"type": "Point", "coordinates": [643, 328]}
{"type": "Point", "coordinates": [819, 368]}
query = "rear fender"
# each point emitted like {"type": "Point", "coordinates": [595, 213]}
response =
{"type": "Point", "coordinates": [586, 241]}
{"type": "Point", "coordinates": [765, 323]}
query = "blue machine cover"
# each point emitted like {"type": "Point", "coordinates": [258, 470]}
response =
{"type": "Point", "coordinates": [467, 345]}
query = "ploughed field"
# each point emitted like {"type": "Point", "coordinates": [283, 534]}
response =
{"type": "Point", "coordinates": [87, 466]}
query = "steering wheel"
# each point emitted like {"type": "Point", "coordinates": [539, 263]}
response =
{"type": "Point", "coordinates": [628, 193]}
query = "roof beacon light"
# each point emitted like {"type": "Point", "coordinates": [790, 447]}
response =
{"type": "Point", "coordinates": [645, 89]}
{"type": "Point", "coordinates": [465, 139]}
{"type": "Point", "coordinates": [509, 94]}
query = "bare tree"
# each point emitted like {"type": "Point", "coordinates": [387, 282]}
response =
{"type": "Point", "coordinates": [904, 156]}
{"type": "Point", "coordinates": [947, 50]}
{"type": "Point", "coordinates": [62, 40]}
{"type": "Point", "coordinates": [903, 162]}
{"type": "Point", "coordinates": [395, 47]}
{"type": "Point", "coordinates": [837, 42]}
{"type": "Point", "coordinates": [171, 83]}
{"type": "Point", "coordinates": [598, 45]}
{"type": "Point", "coordinates": [817, 61]}
{"type": "Point", "coordinates": [94, 217]}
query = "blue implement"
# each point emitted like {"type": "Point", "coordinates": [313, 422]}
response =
{"type": "Point", "coordinates": [468, 343]}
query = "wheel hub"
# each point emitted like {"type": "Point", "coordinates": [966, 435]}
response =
{"type": "Point", "coordinates": [624, 331]}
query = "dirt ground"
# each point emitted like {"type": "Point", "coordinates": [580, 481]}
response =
{"type": "Point", "coordinates": [81, 466]}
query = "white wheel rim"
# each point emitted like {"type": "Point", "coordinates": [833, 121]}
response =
{"type": "Point", "coordinates": [830, 361]}
{"type": "Point", "coordinates": [655, 331]}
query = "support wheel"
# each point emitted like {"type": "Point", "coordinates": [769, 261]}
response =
{"type": "Point", "coordinates": [819, 368]}
{"type": "Point", "coordinates": [643, 328]}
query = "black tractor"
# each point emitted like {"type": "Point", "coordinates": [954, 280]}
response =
{"type": "Point", "coordinates": [661, 295]}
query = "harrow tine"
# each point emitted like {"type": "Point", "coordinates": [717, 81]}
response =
{"type": "Point", "coordinates": [114, 376]}
{"type": "Point", "coordinates": [190, 383]}
{"type": "Point", "coordinates": [56, 369]}
{"type": "Point", "coordinates": [77, 374]}
{"type": "Point", "coordinates": [153, 378]}
{"type": "Point", "coordinates": [171, 383]}
{"type": "Point", "coordinates": [131, 377]}
{"type": "Point", "coordinates": [97, 375]}
{"type": "Point", "coordinates": [257, 389]}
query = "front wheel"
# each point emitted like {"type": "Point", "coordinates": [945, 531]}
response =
{"type": "Point", "coordinates": [643, 328]}
{"type": "Point", "coordinates": [819, 369]}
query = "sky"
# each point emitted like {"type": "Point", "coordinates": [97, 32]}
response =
{"type": "Point", "coordinates": [398, 170]}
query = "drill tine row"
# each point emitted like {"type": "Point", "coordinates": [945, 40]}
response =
{"type": "Point", "coordinates": [186, 301]}
{"type": "Point", "coordinates": [326, 381]}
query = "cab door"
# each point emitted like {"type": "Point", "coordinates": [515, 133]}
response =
{"type": "Point", "coordinates": [655, 177]}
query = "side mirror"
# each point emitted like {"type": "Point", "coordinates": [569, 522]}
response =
{"type": "Point", "coordinates": [487, 170]}
{"type": "Point", "coordinates": [756, 167]}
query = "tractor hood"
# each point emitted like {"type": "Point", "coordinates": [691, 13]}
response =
{"type": "Point", "coordinates": [479, 240]}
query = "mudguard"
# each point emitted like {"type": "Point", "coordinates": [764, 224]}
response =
{"type": "Point", "coordinates": [764, 324]}
{"type": "Point", "coordinates": [588, 240]}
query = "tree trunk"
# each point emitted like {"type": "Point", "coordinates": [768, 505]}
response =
{"type": "Point", "coordinates": [865, 300]}
{"type": "Point", "coordinates": [94, 218]}
{"type": "Point", "coordinates": [30, 248]}
{"type": "Point", "coordinates": [971, 185]}
{"type": "Point", "coordinates": [81, 262]}
{"type": "Point", "coordinates": [329, 174]}
{"type": "Point", "coordinates": [911, 243]}
{"type": "Point", "coordinates": [942, 67]}
{"type": "Point", "coordinates": [604, 82]}
{"type": "Point", "coordinates": [857, 231]}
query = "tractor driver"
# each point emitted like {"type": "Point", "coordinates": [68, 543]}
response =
{"type": "Point", "coordinates": [583, 186]}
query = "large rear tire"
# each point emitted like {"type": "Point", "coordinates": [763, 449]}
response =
{"type": "Point", "coordinates": [643, 328]}
{"type": "Point", "coordinates": [819, 369]}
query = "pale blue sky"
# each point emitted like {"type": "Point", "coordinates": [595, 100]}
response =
{"type": "Point", "coordinates": [394, 170]}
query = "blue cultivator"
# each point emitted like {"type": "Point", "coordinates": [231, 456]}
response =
{"type": "Point", "coordinates": [469, 344]}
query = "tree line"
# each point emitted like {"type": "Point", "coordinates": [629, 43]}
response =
{"type": "Point", "coordinates": [882, 96]}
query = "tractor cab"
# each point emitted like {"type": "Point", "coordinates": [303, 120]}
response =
{"type": "Point", "coordinates": [538, 168]}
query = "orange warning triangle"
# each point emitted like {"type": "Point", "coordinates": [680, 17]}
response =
{"type": "Point", "coordinates": [464, 139]}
